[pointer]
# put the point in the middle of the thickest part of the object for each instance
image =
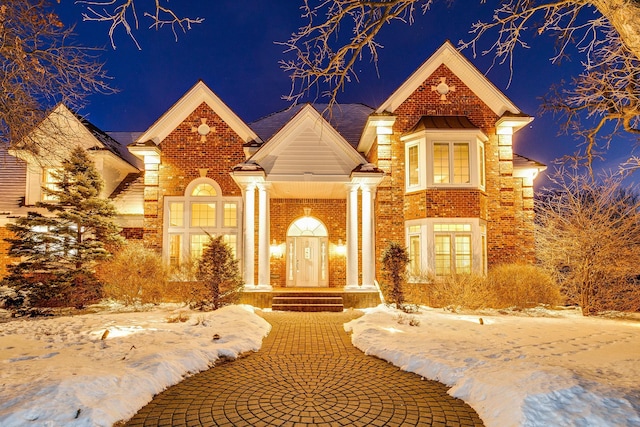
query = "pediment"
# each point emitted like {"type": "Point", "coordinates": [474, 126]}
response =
{"type": "Point", "coordinates": [307, 148]}
{"type": "Point", "coordinates": [450, 57]}
{"type": "Point", "coordinates": [198, 94]}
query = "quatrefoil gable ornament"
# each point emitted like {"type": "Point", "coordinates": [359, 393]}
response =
{"type": "Point", "coordinates": [203, 129]}
{"type": "Point", "coordinates": [443, 89]}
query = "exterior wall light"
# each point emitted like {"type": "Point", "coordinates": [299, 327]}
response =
{"type": "Point", "coordinates": [276, 250]}
{"type": "Point", "coordinates": [341, 249]}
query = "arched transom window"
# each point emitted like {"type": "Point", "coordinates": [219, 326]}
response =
{"type": "Point", "coordinates": [190, 219]}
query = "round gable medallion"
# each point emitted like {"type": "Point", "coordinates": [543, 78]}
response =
{"type": "Point", "coordinates": [204, 129]}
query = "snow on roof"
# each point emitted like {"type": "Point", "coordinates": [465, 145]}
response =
{"type": "Point", "coordinates": [348, 119]}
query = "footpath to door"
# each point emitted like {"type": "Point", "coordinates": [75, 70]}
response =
{"type": "Point", "coordinates": [307, 373]}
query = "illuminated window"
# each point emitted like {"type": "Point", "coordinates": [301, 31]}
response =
{"type": "Point", "coordinates": [451, 163]}
{"type": "Point", "coordinates": [203, 209]}
{"type": "Point", "coordinates": [203, 214]}
{"type": "Point", "coordinates": [50, 182]}
{"type": "Point", "coordinates": [481, 163]}
{"type": "Point", "coordinates": [175, 250]}
{"type": "Point", "coordinates": [413, 166]}
{"type": "Point", "coordinates": [198, 241]}
{"type": "Point", "coordinates": [453, 254]}
{"type": "Point", "coordinates": [176, 214]}
{"type": "Point", "coordinates": [230, 214]}
{"type": "Point", "coordinates": [204, 189]}
{"type": "Point", "coordinates": [232, 241]}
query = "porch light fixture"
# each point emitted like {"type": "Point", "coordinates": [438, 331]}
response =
{"type": "Point", "coordinates": [276, 250]}
{"type": "Point", "coordinates": [341, 249]}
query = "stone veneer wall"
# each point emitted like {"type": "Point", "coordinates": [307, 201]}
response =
{"type": "Point", "coordinates": [509, 212]}
{"type": "Point", "coordinates": [332, 213]}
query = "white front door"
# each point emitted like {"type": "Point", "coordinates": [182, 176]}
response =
{"type": "Point", "coordinates": [307, 261]}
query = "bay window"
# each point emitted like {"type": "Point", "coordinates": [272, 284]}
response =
{"type": "Point", "coordinates": [444, 159]}
{"type": "Point", "coordinates": [446, 246]}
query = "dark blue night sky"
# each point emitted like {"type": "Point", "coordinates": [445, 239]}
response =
{"type": "Point", "coordinates": [234, 53]}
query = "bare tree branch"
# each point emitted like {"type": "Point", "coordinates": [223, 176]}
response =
{"type": "Point", "coordinates": [605, 33]}
{"type": "Point", "coordinates": [40, 66]}
{"type": "Point", "coordinates": [123, 13]}
{"type": "Point", "coordinates": [325, 52]}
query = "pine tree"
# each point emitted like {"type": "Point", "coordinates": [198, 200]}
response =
{"type": "Point", "coordinates": [219, 270]}
{"type": "Point", "coordinates": [59, 251]}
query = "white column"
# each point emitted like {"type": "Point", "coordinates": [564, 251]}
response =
{"type": "Point", "coordinates": [264, 274]}
{"type": "Point", "coordinates": [352, 237]}
{"type": "Point", "coordinates": [368, 258]}
{"type": "Point", "coordinates": [249, 235]}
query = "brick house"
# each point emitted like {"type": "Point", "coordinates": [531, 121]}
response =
{"type": "Point", "coordinates": [309, 197]}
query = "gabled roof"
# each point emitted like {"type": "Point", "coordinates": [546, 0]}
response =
{"type": "Point", "coordinates": [307, 144]}
{"type": "Point", "coordinates": [185, 105]}
{"type": "Point", "coordinates": [348, 119]}
{"type": "Point", "coordinates": [64, 128]}
{"type": "Point", "coordinates": [448, 55]}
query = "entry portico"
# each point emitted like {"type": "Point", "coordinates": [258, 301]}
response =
{"type": "Point", "coordinates": [307, 175]}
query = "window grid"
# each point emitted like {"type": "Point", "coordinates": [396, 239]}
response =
{"type": "Point", "coordinates": [414, 254]}
{"type": "Point", "coordinates": [204, 189]}
{"type": "Point", "coordinates": [413, 165]}
{"type": "Point", "coordinates": [230, 214]}
{"type": "Point", "coordinates": [461, 163]}
{"type": "Point", "coordinates": [443, 254]}
{"type": "Point", "coordinates": [176, 214]}
{"type": "Point", "coordinates": [203, 214]}
{"type": "Point", "coordinates": [441, 163]}
{"type": "Point", "coordinates": [175, 250]}
{"type": "Point", "coordinates": [481, 164]}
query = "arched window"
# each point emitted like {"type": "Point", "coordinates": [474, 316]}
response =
{"type": "Point", "coordinates": [190, 219]}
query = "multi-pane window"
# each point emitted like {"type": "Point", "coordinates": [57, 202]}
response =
{"type": "Point", "coordinates": [175, 249]}
{"type": "Point", "coordinates": [203, 215]}
{"type": "Point", "coordinates": [451, 163]}
{"type": "Point", "coordinates": [413, 166]}
{"type": "Point", "coordinates": [190, 219]}
{"type": "Point", "coordinates": [481, 168]}
{"type": "Point", "coordinates": [231, 214]}
{"type": "Point", "coordinates": [453, 251]}
{"type": "Point", "coordinates": [415, 260]}
{"type": "Point", "coordinates": [176, 214]}
{"type": "Point", "coordinates": [50, 182]}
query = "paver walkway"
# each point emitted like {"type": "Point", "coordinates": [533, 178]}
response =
{"type": "Point", "coordinates": [306, 374]}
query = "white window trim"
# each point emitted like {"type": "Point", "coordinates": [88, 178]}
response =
{"type": "Point", "coordinates": [427, 241]}
{"type": "Point", "coordinates": [187, 231]}
{"type": "Point", "coordinates": [427, 138]}
{"type": "Point", "coordinates": [421, 166]}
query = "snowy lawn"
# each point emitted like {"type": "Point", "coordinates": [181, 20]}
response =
{"type": "Point", "coordinates": [564, 370]}
{"type": "Point", "coordinates": [60, 372]}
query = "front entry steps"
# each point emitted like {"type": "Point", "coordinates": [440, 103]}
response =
{"type": "Point", "coordinates": [307, 301]}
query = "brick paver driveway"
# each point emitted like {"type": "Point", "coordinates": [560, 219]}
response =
{"type": "Point", "coordinates": [306, 374]}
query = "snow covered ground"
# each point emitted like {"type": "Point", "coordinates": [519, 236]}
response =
{"type": "Point", "coordinates": [565, 370]}
{"type": "Point", "coordinates": [557, 370]}
{"type": "Point", "coordinates": [60, 372]}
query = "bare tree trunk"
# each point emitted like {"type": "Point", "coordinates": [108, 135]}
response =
{"type": "Point", "coordinates": [624, 16]}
